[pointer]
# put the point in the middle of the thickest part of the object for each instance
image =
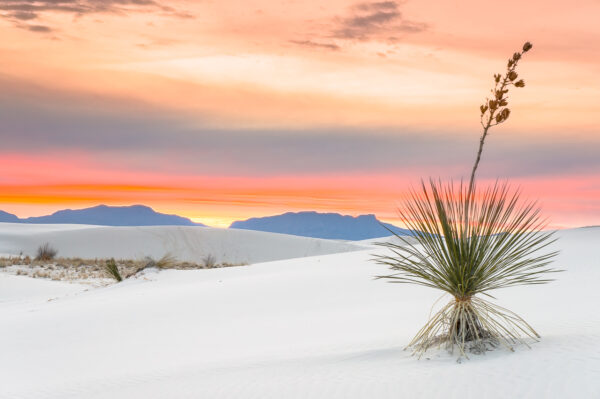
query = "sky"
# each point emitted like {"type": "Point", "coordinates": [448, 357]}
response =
{"type": "Point", "coordinates": [225, 110]}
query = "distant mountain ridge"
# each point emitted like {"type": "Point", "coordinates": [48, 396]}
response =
{"type": "Point", "coordinates": [322, 225]}
{"type": "Point", "coordinates": [8, 217]}
{"type": "Point", "coordinates": [103, 215]}
{"type": "Point", "coordinates": [306, 224]}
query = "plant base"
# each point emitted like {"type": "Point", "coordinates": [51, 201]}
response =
{"type": "Point", "coordinates": [472, 325]}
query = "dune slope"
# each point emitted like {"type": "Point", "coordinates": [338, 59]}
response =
{"type": "Point", "coordinates": [185, 242]}
{"type": "Point", "coordinates": [317, 327]}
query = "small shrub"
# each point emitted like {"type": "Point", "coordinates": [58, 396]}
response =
{"type": "Point", "coordinates": [45, 252]}
{"type": "Point", "coordinates": [111, 269]}
{"type": "Point", "coordinates": [209, 261]}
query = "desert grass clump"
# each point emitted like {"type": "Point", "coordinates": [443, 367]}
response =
{"type": "Point", "coordinates": [467, 242]}
{"type": "Point", "coordinates": [45, 252]}
{"type": "Point", "coordinates": [168, 261]}
{"type": "Point", "coordinates": [112, 269]}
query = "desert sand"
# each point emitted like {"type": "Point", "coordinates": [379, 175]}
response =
{"type": "Point", "coordinates": [308, 325]}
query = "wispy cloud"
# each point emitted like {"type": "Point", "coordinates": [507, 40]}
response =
{"type": "Point", "coordinates": [380, 21]}
{"type": "Point", "coordinates": [375, 21]}
{"type": "Point", "coordinates": [310, 43]}
{"type": "Point", "coordinates": [39, 28]}
{"type": "Point", "coordinates": [22, 12]}
{"type": "Point", "coordinates": [23, 15]}
{"type": "Point", "coordinates": [141, 134]}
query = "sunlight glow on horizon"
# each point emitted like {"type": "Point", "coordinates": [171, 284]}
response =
{"type": "Point", "coordinates": [217, 207]}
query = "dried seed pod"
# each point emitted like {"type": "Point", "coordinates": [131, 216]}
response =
{"type": "Point", "coordinates": [512, 75]}
{"type": "Point", "coordinates": [527, 46]}
{"type": "Point", "coordinates": [520, 83]}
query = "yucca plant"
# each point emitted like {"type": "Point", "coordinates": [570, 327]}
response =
{"type": "Point", "coordinates": [468, 241]}
{"type": "Point", "coordinates": [112, 269]}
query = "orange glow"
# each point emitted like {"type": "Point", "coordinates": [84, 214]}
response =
{"type": "Point", "coordinates": [220, 200]}
{"type": "Point", "coordinates": [299, 69]}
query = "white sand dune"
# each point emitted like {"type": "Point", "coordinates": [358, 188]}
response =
{"type": "Point", "coordinates": [390, 239]}
{"type": "Point", "coordinates": [316, 327]}
{"type": "Point", "coordinates": [21, 289]}
{"type": "Point", "coordinates": [187, 243]}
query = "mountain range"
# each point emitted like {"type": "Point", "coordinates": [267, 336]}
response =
{"type": "Point", "coordinates": [103, 215]}
{"type": "Point", "coordinates": [322, 225]}
{"type": "Point", "coordinates": [307, 224]}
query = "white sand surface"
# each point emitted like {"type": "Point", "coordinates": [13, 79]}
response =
{"type": "Point", "coordinates": [315, 327]}
{"type": "Point", "coordinates": [26, 290]}
{"type": "Point", "coordinates": [187, 243]}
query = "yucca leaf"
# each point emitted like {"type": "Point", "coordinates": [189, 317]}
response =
{"type": "Point", "coordinates": [467, 241]}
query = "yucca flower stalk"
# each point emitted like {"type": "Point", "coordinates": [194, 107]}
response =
{"type": "Point", "coordinates": [468, 241]}
{"type": "Point", "coordinates": [495, 109]}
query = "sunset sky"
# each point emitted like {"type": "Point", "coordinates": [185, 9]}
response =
{"type": "Point", "coordinates": [224, 110]}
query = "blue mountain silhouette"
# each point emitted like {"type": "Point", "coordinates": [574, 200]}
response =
{"type": "Point", "coordinates": [322, 225]}
{"type": "Point", "coordinates": [8, 217]}
{"type": "Point", "coordinates": [103, 215]}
